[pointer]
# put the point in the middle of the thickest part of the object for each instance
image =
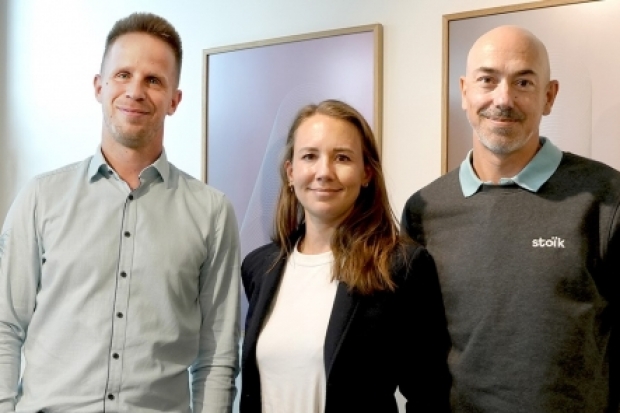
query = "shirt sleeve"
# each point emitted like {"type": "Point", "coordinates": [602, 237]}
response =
{"type": "Point", "coordinates": [20, 269]}
{"type": "Point", "coordinates": [215, 369]}
{"type": "Point", "coordinates": [424, 380]}
{"type": "Point", "coordinates": [613, 274]}
{"type": "Point", "coordinates": [410, 224]}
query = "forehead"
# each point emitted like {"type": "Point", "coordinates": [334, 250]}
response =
{"type": "Point", "coordinates": [506, 55]}
{"type": "Point", "coordinates": [323, 130]}
{"type": "Point", "coordinates": [140, 49]}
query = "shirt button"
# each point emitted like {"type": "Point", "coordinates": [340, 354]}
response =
{"type": "Point", "coordinates": [116, 356]}
{"type": "Point", "coordinates": [127, 234]}
{"type": "Point", "coordinates": [123, 274]}
{"type": "Point", "coordinates": [130, 197]}
{"type": "Point", "coordinates": [111, 396]}
{"type": "Point", "coordinates": [119, 315]}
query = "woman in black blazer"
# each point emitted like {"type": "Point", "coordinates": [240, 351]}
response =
{"type": "Point", "coordinates": [342, 311]}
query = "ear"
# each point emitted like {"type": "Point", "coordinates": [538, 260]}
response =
{"type": "Point", "coordinates": [463, 85]}
{"type": "Point", "coordinates": [174, 104]}
{"type": "Point", "coordinates": [289, 170]}
{"type": "Point", "coordinates": [97, 84]}
{"type": "Point", "coordinates": [552, 91]}
{"type": "Point", "coordinates": [367, 175]}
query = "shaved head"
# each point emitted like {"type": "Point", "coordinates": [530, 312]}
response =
{"type": "Point", "coordinates": [514, 40]}
{"type": "Point", "coordinates": [505, 92]}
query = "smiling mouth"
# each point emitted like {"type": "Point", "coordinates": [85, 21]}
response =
{"type": "Point", "coordinates": [326, 190]}
{"type": "Point", "coordinates": [133, 111]}
{"type": "Point", "coordinates": [503, 120]}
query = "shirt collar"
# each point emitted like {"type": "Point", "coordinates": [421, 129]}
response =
{"type": "Point", "coordinates": [99, 167]}
{"type": "Point", "coordinates": [532, 177]}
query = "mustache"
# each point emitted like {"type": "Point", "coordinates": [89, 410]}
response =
{"type": "Point", "coordinates": [507, 113]}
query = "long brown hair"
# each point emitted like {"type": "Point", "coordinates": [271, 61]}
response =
{"type": "Point", "coordinates": [365, 241]}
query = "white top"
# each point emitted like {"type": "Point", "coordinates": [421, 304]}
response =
{"type": "Point", "coordinates": [289, 351]}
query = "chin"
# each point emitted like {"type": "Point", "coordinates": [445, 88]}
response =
{"type": "Point", "coordinates": [130, 141]}
{"type": "Point", "coordinates": [501, 145]}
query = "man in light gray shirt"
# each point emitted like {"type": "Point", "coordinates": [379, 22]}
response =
{"type": "Point", "coordinates": [119, 274]}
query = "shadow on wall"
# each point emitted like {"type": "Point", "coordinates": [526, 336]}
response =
{"type": "Point", "coordinates": [7, 158]}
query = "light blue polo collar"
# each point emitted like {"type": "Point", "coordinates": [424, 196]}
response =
{"type": "Point", "coordinates": [532, 177]}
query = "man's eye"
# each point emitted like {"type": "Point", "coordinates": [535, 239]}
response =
{"type": "Point", "coordinates": [523, 83]}
{"type": "Point", "coordinates": [154, 81]}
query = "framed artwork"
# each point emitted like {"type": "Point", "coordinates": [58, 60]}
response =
{"type": "Point", "coordinates": [585, 118]}
{"type": "Point", "coordinates": [252, 93]}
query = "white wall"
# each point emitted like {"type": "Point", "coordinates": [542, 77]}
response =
{"type": "Point", "coordinates": [6, 175]}
{"type": "Point", "coordinates": [51, 50]}
{"type": "Point", "coordinates": [49, 117]}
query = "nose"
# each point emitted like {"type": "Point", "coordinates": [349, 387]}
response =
{"type": "Point", "coordinates": [503, 95]}
{"type": "Point", "coordinates": [324, 169]}
{"type": "Point", "coordinates": [135, 89]}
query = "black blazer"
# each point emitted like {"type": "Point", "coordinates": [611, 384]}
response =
{"type": "Point", "coordinates": [373, 344]}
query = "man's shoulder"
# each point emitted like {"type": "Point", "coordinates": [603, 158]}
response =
{"type": "Point", "coordinates": [578, 171]}
{"type": "Point", "coordinates": [63, 172]}
{"type": "Point", "coordinates": [55, 180]}
{"type": "Point", "coordinates": [444, 186]}
{"type": "Point", "coordinates": [194, 184]}
{"type": "Point", "coordinates": [46, 185]}
{"type": "Point", "coordinates": [447, 180]}
{"type": "Point", "coordinates": [577, 162]}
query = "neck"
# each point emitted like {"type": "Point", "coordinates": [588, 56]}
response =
{"type": "Point", "coordinates": [491, 167]}
{"type": "Point", "coordinates": [317, 238]}
{"type": "Point", "coordinates": [129, 162]}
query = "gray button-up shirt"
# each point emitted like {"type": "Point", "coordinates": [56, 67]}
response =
{"type": "Point", "coordinates": [114, 294]}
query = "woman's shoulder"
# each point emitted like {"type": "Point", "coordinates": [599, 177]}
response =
{"type": "Point", "coordinates": [411, 259]}
{"type": "Point", "coordinates": [408, 251]}
{"type": "Point", "coordinates": [258, 257]}
{"type": "Point", "coordinates": [256, 264]}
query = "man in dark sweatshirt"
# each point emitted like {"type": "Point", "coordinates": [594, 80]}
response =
{"type": "Point", "coordinates": [527, 243]}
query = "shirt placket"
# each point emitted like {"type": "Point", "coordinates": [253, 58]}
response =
{"type": "Point", "coordinates": [120, 316]}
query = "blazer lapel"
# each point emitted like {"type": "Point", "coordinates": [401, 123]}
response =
{"type": "Point", "coordinates": [345, 306]}
{"type": "Point", "coordinates": [268, 287]}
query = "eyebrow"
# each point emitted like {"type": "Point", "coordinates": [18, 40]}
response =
{"type": "Point", "coordinates": [315, 149]}
{"type": "Point", "coordinates": [130, 68]}
{"type": "Point", "coordinates": [490, 70]}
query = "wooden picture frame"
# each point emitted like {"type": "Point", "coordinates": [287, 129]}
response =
{"type": "Point", "coordinates": [253, 91]}
{"type": "Point", "coordinates": [576, 33]}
